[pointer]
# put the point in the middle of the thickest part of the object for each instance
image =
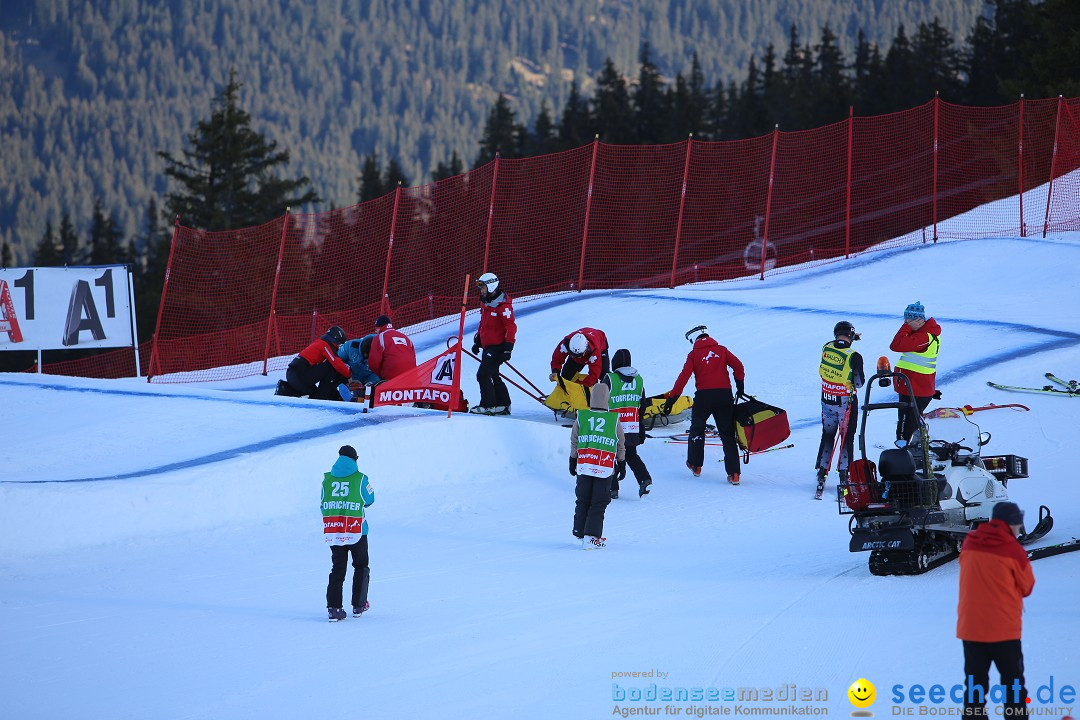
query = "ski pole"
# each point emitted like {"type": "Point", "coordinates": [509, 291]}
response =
{"type": "Point", "coordinates": [539, 398]}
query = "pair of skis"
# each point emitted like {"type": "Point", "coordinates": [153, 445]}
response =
{"type": "Point", "coordinates": [1062, 387]}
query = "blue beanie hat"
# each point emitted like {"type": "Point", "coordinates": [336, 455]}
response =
{"type": "Point", "coordinates": [915, 311]}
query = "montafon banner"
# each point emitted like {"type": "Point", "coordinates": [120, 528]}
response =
{"type": "Point", "coordinates": [65, 308]}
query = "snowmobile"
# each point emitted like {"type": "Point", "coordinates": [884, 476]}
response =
{"type": "Point", "coordinates": [913, 508]}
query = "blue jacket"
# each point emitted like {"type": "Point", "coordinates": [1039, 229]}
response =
{"type": "Point", "coordinates": [357, 361]}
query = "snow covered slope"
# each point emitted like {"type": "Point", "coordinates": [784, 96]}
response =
{"type": "Point", "coordinates": [160, 549]}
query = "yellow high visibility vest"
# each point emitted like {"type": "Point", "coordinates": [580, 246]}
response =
{"type": "Point", "coordinates": [835, 370]}
{"type": "Point", "coordinates": [923, 363]}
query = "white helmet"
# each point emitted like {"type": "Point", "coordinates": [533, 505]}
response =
{"type": "Point", "coordinates": [489, 281]}
{"type": "Point", "coordinates": [578, 344]}
{"type": "Point", "coordinates": [694, 333]}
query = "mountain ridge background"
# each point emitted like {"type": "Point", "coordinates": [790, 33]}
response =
{"type": "Point", "coordinates": [90, 92]}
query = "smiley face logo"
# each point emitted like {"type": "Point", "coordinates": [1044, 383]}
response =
{"type": "Point", "coordinates": [862, 693]}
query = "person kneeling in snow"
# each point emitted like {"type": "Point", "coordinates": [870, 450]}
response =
{"type": "Point", "coordinates": [317, 371]}
{"type": "Point", "coordinates": [581, 349]}
{"type": "Point", "coordinates": [345, 493]}
{"type": "Point", "coordinates": [597, 447]}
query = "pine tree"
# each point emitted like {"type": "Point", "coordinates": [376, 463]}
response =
{"type": "Point", "coordinates": [575, 128]}
{"type": "Point", "coordinates": [649, 102]}
{"type": "Point", "coordinates": [371, 181]}
{"type": "Point", "coordinates": [502, 134]}
{"type": "Point", "coordinates": [70, 251]}
{"type": "Point", "coordinates": [830, 93]}
{"type": "Point", "coordinates": [48, 249]}
{"type": "Point", "coordinates": [543, 139]}
{"type": "Point", "coordinates": [394, 175]}
{"type": "Point", "coordinates": [7, 259]}
{"type": "Point", "coordinates": [225, 175]}
{"type": "Point", "coordinates": [106, 240]}
{"type": "Point", "coordinates": [936, 61]}
{"type": "Point", "coordinates": [448, 170]}
{"type": "Point", "coordinates": [613, 114]}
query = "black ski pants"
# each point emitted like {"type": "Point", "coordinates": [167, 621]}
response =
{"type": "Point", "coordinates": [718, 404]}
{"type": "Point", "coordinates": [636, 465]}
{"type": "Point", "coordinates": [831, 419]}
{"type": "Point", "coordinates": [593, 496]}
{"type": "Point", "coordinates": [318, 382]}
{"type": "Point", "coordinates": [907, 418]}
{"type": "Point", "coordinates": [1008, 656]}
{"type": "Point", "coordinates": [339, 555]}
{"type": "Point", "coordinates": [492, 388]}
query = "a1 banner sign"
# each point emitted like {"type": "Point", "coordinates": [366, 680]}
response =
{"type": "Point", "coordinates": [65, 308]}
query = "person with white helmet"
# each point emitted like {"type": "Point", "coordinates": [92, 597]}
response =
{"type": "Point", "coordinates": [495, 338]}
{"type": "Point", "coordinates": [709, 362]}
{"type": "Point", "coordinates": [581, 349]}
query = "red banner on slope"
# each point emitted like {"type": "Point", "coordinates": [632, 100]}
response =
{"type": "Point", "coordinates": [431, 383]}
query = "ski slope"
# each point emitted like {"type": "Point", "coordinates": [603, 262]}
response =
{"type": "Point", "coordinates": [161, 552]}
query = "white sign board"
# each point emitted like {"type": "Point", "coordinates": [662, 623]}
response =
{"type": "Point", "coordinates": [65, 308]}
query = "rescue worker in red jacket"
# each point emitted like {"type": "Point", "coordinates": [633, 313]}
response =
{"type": "Point", "coordinates": [392, 352]}
{"type": "Point", "coordinates": [919, 339]}
{"type": "Point", "coordinates": [995, 577]}
{"type": "Point", "coordinates": [581, 348]}
{"type": "Point", "coordinates": [317, 371]}
{"type": "Point", "coordinates": [709, 362]}
{"type": "Point", "coordinates": [495, 337]}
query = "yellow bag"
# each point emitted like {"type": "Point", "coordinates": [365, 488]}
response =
{"type": "Point", "coordinates": [654, 412]}
{"type": "Point", "coordinates": [567, 398]}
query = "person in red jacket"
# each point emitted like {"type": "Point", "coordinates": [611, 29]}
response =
{"type": "Point", "coordinates": [919, 339]}
{"type": "Point", "coordinates": [581, 348]}
{"type": "Point", "coordinates": [392, 352]}
{"type": "Point", "coordinates": [995, 577]}
{"type": "Point", "coordinates": [708, 362]}
{"type": "Point", "coordinates": [496, 337]}
{"type": "Point", "coordinates": [317, 371]}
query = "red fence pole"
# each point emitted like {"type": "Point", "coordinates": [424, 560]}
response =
{"type": "Point", "coordinates": [768, 200]}
{"type": "Point", "coordinates": [460, 339]}
{"type": "Point", "coordinates": [270, 320]}
{"type": "Point", "coordinates": [682, 205]}
{"type": "Point", "coordinates": [1020, 164]}
{"type": "Point", "coordinates": [847, 202]}
{"type": "Point", "coordinates": [1053, 162]}
{"type": "Point", "coordinates": [588, 211]}
{"type": "Point", "coordinates": [155, 360]}
{"type": "Point", "coordinates": [384, 306]}
{"type": "Point", "coordinates": [937, 104]}
{"type": "Point", "coordinates": [491, 212]}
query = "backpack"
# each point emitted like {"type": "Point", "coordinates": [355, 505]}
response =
{"type": "Point", "coordinates": [759, 426]}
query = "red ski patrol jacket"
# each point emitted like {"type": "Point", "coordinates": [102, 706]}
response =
{"type": "Point", "coordinates": [497, 324]}
{"type": "Point", "coordinates": [322, 351]}
{"type": "Point", "coordinates": [598, 344]}
{"type": "Point", "coordinates": [708, 362]}
{"type": "Point", "coordinates": [995, 577]}
{"type": "Point", "coordinates": [392, 353]}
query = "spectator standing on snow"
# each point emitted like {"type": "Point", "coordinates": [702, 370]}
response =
{"type": "Point", "coordinates": [919, 339]}
{"type": "Point", "coordinates": [995, 577]}
{"type": "Point", "coordinates": [709, 362]}
{"type": "Point", "coordinates": [392, 352]}
{"type": "Point", "coordinates": [495, 338]}
{"type": "Point", "coordinates": [597, 450]}
{"type": "Point", "coordinates": [345, 493]}
{"type": "Point", "coordinates": [842, 374]}
{"type": "Point", "coordinates": [628, 399]}
{"type": "Point", "coordinates": [317, 371]}
{"type": "Point", "coordinates": [587, 347]}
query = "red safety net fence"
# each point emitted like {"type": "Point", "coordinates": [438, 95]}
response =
{"type": "Point", "coordinates": [244, 302]}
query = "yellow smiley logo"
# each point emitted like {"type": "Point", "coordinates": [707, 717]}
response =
{"type": "Point", "coordinates": [862, 693]}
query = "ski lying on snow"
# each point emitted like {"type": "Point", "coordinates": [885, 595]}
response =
{"type": "Point", "coordinates": [1071, 385]}
{"type": "Point", "coordinates": [949, 412]}
{"type": "Point", "coordinates": [1051, 550]}
{"type": "Point", "coordinates": [1049, 389]}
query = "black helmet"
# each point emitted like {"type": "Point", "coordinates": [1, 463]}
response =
{"type": "Point", "coordinates": [845, 329]}
{"type": "Point", "coordinates": [335, 335]}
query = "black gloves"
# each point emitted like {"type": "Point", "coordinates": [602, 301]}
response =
{"type": "Point", "coordinates": [507, 348]}
{"type": "Point", "coordinates": [641, 433]}
{"type": "Point", "coordinates": [620, 469]}
{"type": "Point", "coordinates": [476, 344]}
{"type": "Point", "coordinates": [573, 466]}
{"type": "Point", "coordinates": [937, 395]}
{"type": "Point", "coordinates": [668, 404]}
{"type": "Point", "coordinates": [740, 389]}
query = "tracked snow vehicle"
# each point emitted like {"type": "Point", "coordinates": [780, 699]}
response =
{"type": "Point", "coordinates": [912, 509]}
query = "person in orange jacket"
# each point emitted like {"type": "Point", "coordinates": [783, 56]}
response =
{"type": "Point", "coordinates": [919, 339]}
{"type": "Point", "coordinates": [392, 352]}
{"type": "Point", "coordinates": [995, 577]}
